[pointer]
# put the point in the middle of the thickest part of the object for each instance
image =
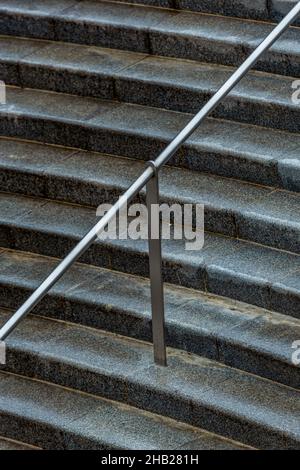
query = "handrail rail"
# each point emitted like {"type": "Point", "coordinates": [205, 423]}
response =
{"type": "Point", "coordinates": [149, 177]}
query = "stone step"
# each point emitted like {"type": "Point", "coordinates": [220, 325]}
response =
{"type": "Point", "coordinates": [10, 444]}
{"type": "Point", "coordinates": [122, 79]}
{"type": "Point", "coordinates": [226, 148]}
{"type": "Point", "coordinates": [225, 266]}
{"type": "Point", "coordinates": [264, 10]}
{"type": "Point", "coordinates": [54, 417]}
{"type": "Point", "coordinates": [237, 209]}
{"type": "Point", "coordinates": [190, 35]}
{"type": "Point", "coordinates": [239, 335]}
{"type": "Point", "coordinates": [194, 390]}
{"type": "Point", "coordinates": [261, 99]}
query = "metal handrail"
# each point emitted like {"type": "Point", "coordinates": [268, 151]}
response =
{"type": "Point", "coordinates": [149, 177]}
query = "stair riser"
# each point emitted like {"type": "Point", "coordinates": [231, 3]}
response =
{"type": "Point", "coordinates": [279, 8]}
{"type": "Point", "coordinates": [190, 101]}
{"type": "Point", "coordinates": [176, 98]}
{"type": "Point", "coordinates": [88, 137]}
{"type": "Point", "coordinates": [41, 434]}
{"type": "Point", "coordinates": [64, 81]}
{"type": "Point", "coordinates": [210, 277]}
{"type": "Point", "coordinates": [217, 52]}
{"type": "Point", "coordinates": [144, 40]}
{"type": "Point", "coordinates": [136, 393]}
{"type": "Point", "coordinates": [128, 323]}
{"type": "Point", "coordinates": [259, 10]}
{"type": "Point", "coordinates": [55, 28]}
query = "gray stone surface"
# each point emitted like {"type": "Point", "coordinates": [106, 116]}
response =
{"type": "Point", "coordinates": [231, 207]}
{"type": "Point", "coordinates": [83, 70]}
{"type": "Point", "coordinates": [147, 29]}
{"type": "Point", "coordinates": [288, 168]}
{"type": "Point", "coordinates": [109, 24]}
{"type": "Point", "coordinates": [224, 40]}
{"type": "Point", "coordinates": [257, 153]}
{"type": "Point", "coordinates": [256, 9]}
{"type": "Point", "coordinates": [117, 52]}
{"type": "Point", "coordinates": [31, 18]}
{"type": "Point", "coordinates": [280, 8]}
{"type": "Point", "coordinates": [57, 418]}
{"type": "Point", "coordinates": [225, 266]}
{"type": "Point", "coordinates": [65, 116]}
{"type": "Point", "coordinates": [222, 147]}
{"type": "Point", "coordinates": [285, 235]}
{"type": "Point", "coordinates": [43, 104]}
{"type": "Point", "coordinates": [264, 332]}
{"type": "Point", "coordinates": [251, 264]}
{"type": "Point", "coordinates": [37, 7]}
{"type": "Point", "coordinates": [185, 86]}
{"type": "Point", "coordinates": [194, 390]}
{"type": "Point", "coordinates": [243, 336]}
{"type": "Point", "coordinates": [291, 301]}
{"type": "Point", "coordinates": [11, 52]}
{"type": "Point", "coordinates": [261, 99]}
{"type": "Point", "coordinates": [155, 3]}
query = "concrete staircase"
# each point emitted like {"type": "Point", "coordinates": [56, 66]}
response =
{"type": "Point", "coordinates": [96, 88]}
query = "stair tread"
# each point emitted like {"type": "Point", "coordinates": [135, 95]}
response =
{"type": "Point", "coordinates": [255, 269]}
{"type": "Point", "coordinates": [106, 176]}
{"type": "Point", "coordinates": [76, 57]}
{"type": "Point", "coordinates": [262, 99]}
{"type": "Point", "coordinates": [145, 27]}
{"type": "Point", "coordinates": [221, 28]}
{"type": "Point", "coordinates": [188, 74]}
{"type": "Point", "coordinates": [113, 360]}
{"type": "Point", "coordinates": [196, 321]}
{"type": "Point", "coordinates": [271, 10]}
{"type": "Point", "coordinates": [240, 8]}
{"type": "Point", "coordinates": [226, 139]}
{"type": "Point", "coordinates": [95, 11]}
{"type": "Point", "coordinates": [86, 421]}
{"type": "Point", "coordinates": [127, 14]}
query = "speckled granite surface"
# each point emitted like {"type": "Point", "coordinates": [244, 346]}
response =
{"type": "Point", "coordinates": [94, 89]}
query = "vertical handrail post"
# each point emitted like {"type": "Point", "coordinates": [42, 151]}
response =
{"type": "Point", "coordinates": [155, 269]}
